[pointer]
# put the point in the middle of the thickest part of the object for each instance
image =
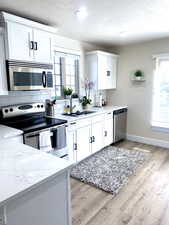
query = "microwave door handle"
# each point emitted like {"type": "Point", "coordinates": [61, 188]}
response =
{"type": "Point", "coordinates": [44, 79]}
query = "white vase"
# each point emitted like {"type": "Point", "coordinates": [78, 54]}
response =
{"type": "Point", "coordinates": [87, 107]}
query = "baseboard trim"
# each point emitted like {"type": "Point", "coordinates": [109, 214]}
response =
{"type": "Point", "coordinates": [149, 141]}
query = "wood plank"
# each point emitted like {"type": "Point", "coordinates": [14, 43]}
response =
{"type": "Point", "coordinates": [143, 201]}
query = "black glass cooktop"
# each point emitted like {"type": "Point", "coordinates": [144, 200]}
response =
{"type": "Point", "coordinates": [31, 123]}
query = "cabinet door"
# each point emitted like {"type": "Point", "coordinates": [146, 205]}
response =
{"type": "Point", "coordinates": [19, 42]}
{"type": "Point", "coordinates": [97, 134]}
{"type": "Point", "coordinates": [43, 46]}
{"type": "Point", "coordinates": [111, 72]}
{"type": "Point", "coordinates": [83, 135]}
{"type": "Point", "coordinates": [71, 143]}
{"type": "Point", "coordinates": [3, 76]}
{"type": "Point", "coordinates": [102, 67]}
{"type": "Point", "coordinates": [108, 129]}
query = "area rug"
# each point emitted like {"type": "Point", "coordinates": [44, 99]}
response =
{"type": "Point", "coordinates": [110, 168]}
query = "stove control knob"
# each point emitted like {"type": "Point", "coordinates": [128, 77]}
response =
{"type": "Point", "coordinates": [41, 106]}
{"type": "Point", "coordinates": [38, 106]}
{"type": "Point", "coordinates": [6, 110]}
{"type": "Point", "coordinates": [11, 109]}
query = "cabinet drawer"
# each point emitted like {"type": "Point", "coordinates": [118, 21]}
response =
{"type": "Point", "coordinates": [83, 123]}
{"type": "Point", "coordinates": [71, 126]}
{"type": "Point", "coordinates": [108, 115]}
{"type": "Point", "coordinates": [97, 118]}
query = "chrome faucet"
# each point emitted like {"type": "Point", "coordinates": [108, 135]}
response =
{"type": "Point", "coordinates": [71, 105]}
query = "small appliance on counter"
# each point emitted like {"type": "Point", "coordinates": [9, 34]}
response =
{"type": "Point", "coordinates": [50, 107]}
{"type": "Point", "coordinates": [99, 100]}
{"type": "Point", "coordinates": [39, 131]}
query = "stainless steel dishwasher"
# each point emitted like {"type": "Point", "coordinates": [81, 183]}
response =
{"type": "Point", "coordinates": [119, 124]}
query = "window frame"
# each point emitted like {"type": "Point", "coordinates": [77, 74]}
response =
{"type": "Point", "coordinates": [155, 125]}
{"type": "Point", "coordinates": [76, 53]}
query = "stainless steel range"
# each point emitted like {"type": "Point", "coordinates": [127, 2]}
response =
{"type": "Point", "coordinates": [40, 132]}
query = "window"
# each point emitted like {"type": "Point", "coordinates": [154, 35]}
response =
{"type": "Point", "coordinates": [160, 116]}
{"type": "Point", "coordinates": [66, 73]}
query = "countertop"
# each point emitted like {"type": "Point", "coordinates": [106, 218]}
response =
{"type": "Point", "coordinates": [22, 168]}
{"type": "Point", "coordinates": [8, 132]}
{"type": "Point", "coordinates": [96, 109]}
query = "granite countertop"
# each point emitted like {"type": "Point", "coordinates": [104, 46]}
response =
{"type": "Point", "coordinates": [22, 168]}
{"type": "Point", "coordinates": [96, 109]}
{"type": "Point", "coordinates": [8, 132]}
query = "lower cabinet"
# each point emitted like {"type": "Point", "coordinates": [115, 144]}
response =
{"type": "Point", "coordinates": [71, 141]}
{"type": "Point", "coordinates": [108, 129]}
{"type": "Point", "coordinates": [97, 136]}
{"type": "Point", "coordinates": [87, 136]}
{"type": "Point", "coordinates": [83, 142]}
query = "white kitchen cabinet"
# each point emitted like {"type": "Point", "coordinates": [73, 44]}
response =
{"type": "Point", "coordinates": [108, 129]}
{"type": "Point", "coordinates": [71, 141]}
{"type": "Point", "coordinates": [19, 42]}
{"type": "Point", "coordinates": [3, 76]}
{"type": "Point", "coordinates": [90, 135]}
{"type": "Point", "coordinates": [79, 138]}
{"type": "Point", "coordinates": [83, 142]}
{"type": "Point", "coordinates": [27, 40]}
{"type": "Point", "coordinates": [102, 69]}
{"type": "Point", "coordinates": [43, 44]}
{"type": "Point", "coordinates": [97, 136]}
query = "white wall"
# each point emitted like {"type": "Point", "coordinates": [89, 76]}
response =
{"type": "Point", "coordinates": [36, 96]}
{"type": "Point", "coordinates": [138, 97]}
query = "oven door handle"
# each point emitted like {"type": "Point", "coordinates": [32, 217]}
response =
{"type": "Point", "coordinates": [33, 135]}
{"type": "Point", "coordinates": [44, 79]}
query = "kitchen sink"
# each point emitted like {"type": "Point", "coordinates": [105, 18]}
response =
{"type": "Point", "coordinates": [78, 113]}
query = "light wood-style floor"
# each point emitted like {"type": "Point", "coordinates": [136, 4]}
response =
{"type": "Point", "coordinates": [143, 201]}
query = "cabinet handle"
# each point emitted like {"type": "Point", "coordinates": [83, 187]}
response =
{"type": "Point", "coordinates": [105, 133]}
{"type": "Point", "coordinates": [44, 79]}
{"type": "Point", "coordinates": [109, 113]}
{"type": "Point", "coordinates": [75, 147]}
{"type": "Point", "coordinates": [31, 45]}
{"type": "Point", "coordinates": [73, 123]}
{"type": "Point", "coordinates": [90, 140]}
{"type": "Point", "coordinates": [108, 73]}
{"type": "Point", "coordinates": [35, 45]}
{"type": "Point", "coordinates": [93, 139]}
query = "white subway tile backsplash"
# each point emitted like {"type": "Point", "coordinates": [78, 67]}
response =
{"type": "Point", "coordinates": [17, 97]}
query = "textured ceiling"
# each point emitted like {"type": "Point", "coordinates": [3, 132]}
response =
{"type": "Point", "coordinates": [141, 19]}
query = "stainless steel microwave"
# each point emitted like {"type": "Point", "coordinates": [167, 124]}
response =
{"type": "Point", "coordinates": [26, 76]}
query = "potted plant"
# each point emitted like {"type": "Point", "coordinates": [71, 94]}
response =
{"type": "Point", "coordinates": [85, 102]}
{"type": "Point", "coordinates": [67, 92]}
{"type": "Point", "coordinates": [138, 75]}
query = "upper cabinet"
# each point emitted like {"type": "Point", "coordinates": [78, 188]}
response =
{"type": "Point", "coordinates": [19, 46]}
{"type": "Point", "coordinates": [102, 69]}
{"type": "Point", "coordinates": [3, 77]}
{"type": "Point", "coordinates": [27, 40]}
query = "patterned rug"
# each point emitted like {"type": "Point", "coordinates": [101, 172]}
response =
{"type": "Point", "coordinates": [110, 168]}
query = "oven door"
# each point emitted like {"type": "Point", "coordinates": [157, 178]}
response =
{"type": "Point", "coordinates": [40, 140]}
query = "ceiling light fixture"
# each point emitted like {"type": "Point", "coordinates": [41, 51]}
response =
{"type": "Point", "coordinates": [81, 13]}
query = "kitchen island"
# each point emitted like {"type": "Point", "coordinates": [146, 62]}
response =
{"type": "Point", "coordinates": [34, 186]}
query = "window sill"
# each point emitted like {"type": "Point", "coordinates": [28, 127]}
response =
{"type": "Point", "coordinates": [160, 127]}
